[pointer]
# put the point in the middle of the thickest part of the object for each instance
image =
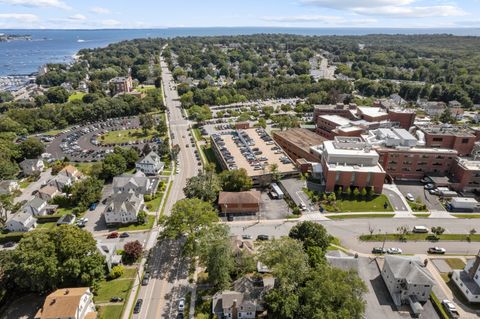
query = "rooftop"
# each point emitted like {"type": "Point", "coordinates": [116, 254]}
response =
{"type": "Point", "coordinates": [469, 164]}
{"type": "Point", "coordinates": [409, 268]}
{"type": "Point", "coordinates": [337, 119]}
{"type": "Point", "coordinates": [62, 303]}
{"type": "Point", "coordinates": [300, 137]}
{"type": "Point", "coordinates": [372, 111]}
{"type": "Point", "coordinates": [248, 197]}
{"type": "Point", "coordinates": [447, 129]}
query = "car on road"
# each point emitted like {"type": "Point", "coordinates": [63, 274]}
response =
{"type": "Point", "coordinates": [433, 191]}
{"type": "Point", "coordinates": [116, 299]}
{"type": "Point", "coordinates": [437, 250]}
{"type": "Point", "coordinates": [246, 236]}
{"type": "Point", "coordinates": [124, 235]}
{"type": "Point", "coordinates": [420, 229]}
{"type": "Point", "coordinates": [410, 197]}
{"type": "Point", "coordinates": [262, 237]}
{"type": "Point", "coordinates": [181, 304]}
{"type": "Point", "coordinates": [450, 308]}
{"type": "Point", "coordinates": [138, 306]}
{"type": "Point", "coordinates": [429, 186]}
{"type": "Point", "coordinates": [112, 235]}
{"type": "Point", "coordinates": [9, 244]}
{"type": "Point", "coordinates": [230, 218]}
{"type": "Point", "coordinates": [379, 250]}
{"type": "Point", "coordinates": [394, 251]}
{"type": "Point", "coordinates": [146, 278]}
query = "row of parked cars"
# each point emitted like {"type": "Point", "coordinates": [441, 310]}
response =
{"type": "Point", "coordinates": [397, 251]}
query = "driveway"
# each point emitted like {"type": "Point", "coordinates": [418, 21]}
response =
{"type": "Point", "coordinates": [395, 200]}
{"type": "Point", "coordinates": [417, 190]}
{"type": "Point", "coordinates": [27, 192]}
{"type": "Point", "coordinates": [96, 222]}
{"type": "Point", "coordinates": [294, 188]}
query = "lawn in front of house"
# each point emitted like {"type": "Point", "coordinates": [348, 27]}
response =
{"type": "Point", "coordinates": [110, 311]}
{"type": "Point", "coordinates": [455, 263]}
{"type": "Point", "coordinates": [154, 204]}
{"type": "Point", "coordinates": [76, 96]}
{"type": "Point", "coordinates": [147, 225]}
{"type": "Point", "coordinates": [85, 168]}
{"type": "Point", "coordinates": [125, 136]}
{"type": "Point", "coordinates": [345, 205]}
{"type": "Point", "coordinates": [24, 183]}
{"type": "Point", "coordinates": [113, 288]}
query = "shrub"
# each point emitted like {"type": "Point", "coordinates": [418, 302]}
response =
{"type": "Point", "coordinates": [132, 251]}
{"type": "Point", "coordinates": [116, 272]}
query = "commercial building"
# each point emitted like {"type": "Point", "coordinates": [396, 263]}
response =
{"type": "Point", "coordinates": [465, 174]}
{"type": "Point", "coordinates": [238, 203]}
{"type": "Point", "coordinates": [372, 114]}
{"type": "Point", "coordinates": [346, 111]}
{"type": "Point", "coordinates": [350, 162]}
{"type": "Point", "coordinates": [467, 280]}
{"type": "Point", "coordinates": [255, 151]}
{"type": "Point", "coordinates": [121, 84]}
{"type": "Point", "coordinates": [461, 139]}
{"type": "Point", "coordinates": [296, 142]}
{"type": "Point", "coordinates": [407, 281]}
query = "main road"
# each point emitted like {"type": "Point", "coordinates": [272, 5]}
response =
{"type": "Point", "coordinates": [168, 269]}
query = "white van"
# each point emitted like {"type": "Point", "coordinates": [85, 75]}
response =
{"type": "Point", "coordinates": [420, 229]}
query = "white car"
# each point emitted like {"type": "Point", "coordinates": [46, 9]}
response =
{"type": "Point", "coordinates": [394, 251]}
{"type": "Point", "coordinates": [450, 308]}
{"type": "Point", "coordinates": [410, 197]}
{"type": "Point", "coordinates": [181, 304]}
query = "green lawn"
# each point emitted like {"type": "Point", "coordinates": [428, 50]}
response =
{"type": "Point", "coordinates": [85, 168]}
{"type": "Point", "coordinates": [113, 288]}
{"type": "Point", "coordinates": [145, 88]}
{"type": "Point", "coordinates": [361, 216]}
{"type": "Point", "coordinates": [24, 183]}
{"type": "Point", "coordinates": [455, 263]}
{"type": "Point", "coordinates": [466, 215]}
{"type": "Point", "coordinates": [125, 136]}
{"type": "Point", "coordinates": [211, 158]}
{"type": "Point", "coordinates": [421, 215]}
{"type": "Point", "coordinates": [64, 211]}
{"type": "Point", "coordinates": [438, 306]}
{"type": "Point", "coordinates": [76, 96]}
{"type": "Point", "coordinates": [110, 311]}
{"type": "Point", "coordinates": [53, 132]}
{"type": "Point", "coordinates": [169, 188]}
{"type": "Point", "coordinates": [197, 133]}
{"type": "Point", "coordinates": [47, 226]}
{"type": "Point", "coordinates": [356, 205]}
{"type": "Point", "coordinates": [420, 237]}
{"type": "Point", "coordinates": [154, 204]}
{"type": "Point", "coordinates": [147, 225]}
{"type": "Point", "coordinates": [417, 207]}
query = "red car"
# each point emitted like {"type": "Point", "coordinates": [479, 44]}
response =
{"type": "Point", "coordinates": [113, 235]}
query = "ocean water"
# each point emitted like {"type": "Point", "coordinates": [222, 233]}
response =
{"type": "Point", "coordinates": [48, 46]}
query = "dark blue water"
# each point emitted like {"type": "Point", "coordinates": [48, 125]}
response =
{"type": "Point", "coordinates": [24, 57]}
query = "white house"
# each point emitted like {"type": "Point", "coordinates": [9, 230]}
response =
{"type": "Point", "coordinates": [150, 164]}
{"type": "Point", "coordinates": [109, 251]}
{"type": "Point", "coordinates": [407, 281]}
{"type": "Point", "coordinates": [21, 222]}
{"type": "Point", "coordinates": [8, 186]}
{"type": "Point", "coordinates": [138, 183]}
{"type": "Point", "coordinates": [72, 303]}
{"type": "Point", "coordinates": [32, 166]}
{"type": "Point", "coordinates": [61, 181]}
{"type": "Point", "coordinates": [123, 208]}
{"type": "Point", "coordinates": [72, 172]}
{"type": "Point", "coordinates": [39, 207]}
{"type": "Point", "coordinates": [468, 281]}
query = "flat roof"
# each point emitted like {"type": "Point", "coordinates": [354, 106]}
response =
{"type": "Point", "coordinates": [360, 150]}
{"type": "Point", "coordinates": [272, 158]}
{"type": "Point", "coordinates": [420, 150]}
{"type": "Point", "coordinates": [300, 137]}
{"type": "Point", "coordinates": [337, 119]}
{"type": "Point", "coordinates": [469, 164]}
{"type": "Point", "coordinates": [372, 111]}
{"type": "Point", "coordinates": [446, 129]}
{"type": "Point", "coordinates": [355, 168]}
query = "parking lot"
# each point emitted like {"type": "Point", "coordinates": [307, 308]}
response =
{"type": "Point", "coordinates": [417, 190]}
{"type": "Point", "coordinates": [82, 143]}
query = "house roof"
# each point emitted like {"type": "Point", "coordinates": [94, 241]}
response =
{"type": "Point", "coordinates": [70, 170]}
{"type": "Point", "coordinates": [62, 303]}
{"type": "Point", "coordinates": [138, 180]}
{"type": "Point", "coordinates": [36, 202]}
{"type": "Point", "coordinates": [29, 162]}
{"type": "Point", "coordinates": [22, 218]}
{"type": "Point", "coordinates": [409, 268]}
{"type": "Point", "coordinates": [248, 197]}
{"type": "Point", "coordinates": [128, 201]}
{"type": "Point", "coordinates": [62, 179]}
{"type": "Point", "coordinates": [228, 297]}
{"type": "Point", "coordinates": [6, 184]}
{"type": "Point", "coordinates": [49, 190]}
{"type": "Point", "coordinates": [151, 158]}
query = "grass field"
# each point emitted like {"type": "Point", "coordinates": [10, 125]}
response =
{"type": "Point", "coordinates": [76, 96]}
{"type": "Point", "coordinates": [85, 168]}
{"type": "Point", "coordinates": [154, 204]}
{"type": "Point", "coordinates": [113, 288]}
{"type": "Point", "coordinates": [354, 205]}
{"type": "Point", "coordinates": [125, 136]}
{"type": "Point", "coordinates": [466, 215]}
{"type": "Point", "coordinates": [147, 225]}
{"type": "Point", "coordinates": [360, 216]}
{"type": "Point", "coordinates": [421, 237]}
{"type": "Point", "coordinates": [145, 88]}
{"type": "Point", "coordinates": [455, 263]}
{"type": "Point", "coordinates": [211, 158]}
{"type": "Point", "coordinates": [110, 311]}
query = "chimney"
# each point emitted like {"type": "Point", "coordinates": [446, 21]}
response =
{"type": "Point", "coordinates": [234, 309]}
{"type": "Point", "coordinates": [476, 264]}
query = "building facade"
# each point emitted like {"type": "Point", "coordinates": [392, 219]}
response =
{"type": "Point", "coordinates": [296, 142]}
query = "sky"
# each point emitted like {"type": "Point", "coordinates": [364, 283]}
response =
{"type": "Point", "coordinates": [91, 14]}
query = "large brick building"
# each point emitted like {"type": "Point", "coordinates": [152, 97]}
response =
{"type": "Point", "coordinates": [465, 174]}
{"type": "Point", "coordinates": [461, 139]}
{"type": "Point", "coordinates": [296, 142]}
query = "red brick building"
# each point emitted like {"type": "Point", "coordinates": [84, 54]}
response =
{"type": "Point", "coordinates": [466, 175]}
{"type": "Point", "coordinates": [239, 202]}
{"type": "Point", "coordinates": [296, 142]}
{"type": "Point", "coordinates": [461, 139]}
{"type": "Point", "coordinates": [404, 117]}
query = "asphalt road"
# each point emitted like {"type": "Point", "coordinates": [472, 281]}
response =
{"type": "Point", "coordinates": [161, 295]}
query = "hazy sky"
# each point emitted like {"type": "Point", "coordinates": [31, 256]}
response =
{"type": "Point", "coordinates": [205, 13]}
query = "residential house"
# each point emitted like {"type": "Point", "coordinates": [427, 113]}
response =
{"type": "Point", "coordinates": [467, 280]}
{"type": "Point", "coordinates": [21, 222]}
{"type": "Point", "coordinates": [72, 172]}
{"type": "Point", "coordinates": [32, 166]}
{"type": "Point", "coordinates": [123, 207]}
{"type": "Point", "coordinates": [61, 181]}
{"type": "Point", "coordinates": [244, 301]}
{"type": "Point", "coordinates": [71, 303]}
{"type": "Point", "coordinates": [48, 192]}
{"type": "Point", "coordinates": [151, 164]}
{"type": "Point", "coordinates": [138, 183]}
{"type": "Point", "coordinates": [39, 207]}
{"type": "Point", "coordinates": [109, 251]}
{"type": "Point", "coordinates": [8, 186]}
{"type": "Point", "coordinates": [407, 280]}
{"type": "Point", "coordinates": [239, 202]}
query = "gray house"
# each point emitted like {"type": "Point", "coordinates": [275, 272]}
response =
{"type": "Point", "coordinates": [123, 207]}
{"type": "Point", "coordinates": [109, 250]}
{"type": "Point", "coordinates": [32, 166]}
{"type": "Point", "coordinates": [21, 222]}
{"type": "Point", "coordinates": [138, 183]}
{"type": "Point", "coordinates": [151, 164]}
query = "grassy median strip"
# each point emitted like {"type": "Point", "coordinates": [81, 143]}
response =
{"type": "Point", "coordinates": [422, 215]}
{"type": "Point", "coordinates": [348, 216]}
{"type": "Point", "coordinates": [421, 237]}
{"type": "Point", "coordinates": [438, 307]}
{"type": "Point", "coordinates": [466, 215]}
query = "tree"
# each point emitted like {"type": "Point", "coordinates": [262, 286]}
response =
{"type": "Point", "coordinates": [236, 180]}
{"type": "Point", "coordinates": [65, 256]}
{"type": "Point", "coordinates": [158, 82]}
{"type": "Point", "coordinates": [113, 165]}
{"type": "Point", "coordinates": [86, 192]}
{"type": "Point", "coordinates": [142, 218]}
{"type": "Point", "coordinates": [162, 127]}
{"type": "Point", "coordinates": [311, 235]}
{"type": "Point", "coordinates": [189, 217]}
{"type": "Point", "coordinates": [57, 94]}
{"type": "Point", "coordinates": [446, 116]}
{"type": "Point", "coordinates": [275, 173]}
{"type": "Point", "coordinates": [438, 230]}
{"type": "Point", "coordinates": [31, 148]}
{"type": "Point", "coordinates": [132, 251]}
{"type": "Point", "coordinates": [116, 272]}
{"type": "Point", "coordinates": [129, 154]}
{"type": "Point", "coordinates": [8, 168]}
{"type": "Point", "coordinates": [204, 186]}
{"type": "Point", "coordinates": [146, 122]}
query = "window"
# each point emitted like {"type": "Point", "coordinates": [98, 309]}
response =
{"type": "Point", "coordinates": [465, 140]}
{"type": "Point", "coordinates": [438, 139]}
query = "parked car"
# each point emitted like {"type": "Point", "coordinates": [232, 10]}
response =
{"type": "Point", "coordinates": [429, 186]}
{"type": "Point", "coordinates": [262, 237]}
{"type": "Point", "coordinates": [246, 236]}
{"type": "Point", "coordinates": [116, 299]}
{"type": "Point", "coordinates": [230, 218]}
{"type": "Point", "coordinates": [138, 306]}
{"type": "Point", "coordinates": [181, 304]}
{"type": "Point", "coordinates": [410, 197]}
{"type": "Point", "coordinates": [9, 244]}
{"type": "Point", "coordinates": [146, 278]}
{"type": "Point", "coordinates": [113, 235]}
{"type": "Point", "coordinates": [394, 251]}
{"type": "Point", "coordinates": [124, 235]}
{"type": "Point", "coordinates": [180, 315]}
{"type": "Point", "coordinates": [420, 229]}
{"type": "Point", "coordinates": [379, 250]}
{"type": "Point", "coordinates": [437, 250]}
{"type": "Point", "coordinates": [450, 308]}
{"type": "Point", "coordinates": [433, 191]}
